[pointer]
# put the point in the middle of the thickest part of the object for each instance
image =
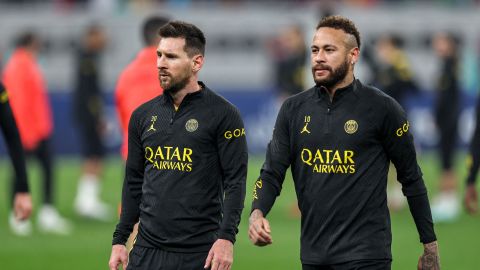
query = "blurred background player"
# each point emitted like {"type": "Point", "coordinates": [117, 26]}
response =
{"type": "Point", "coordinates": [22, 202]}
{"type": "Point", "coordinates": [392, 74]}
{"type": "Point", "coordinates": [445, 206]}
{"type": "Point", "coordinates": [28, 98]}
{"type": "Point", "coordinates": [473, 163]}
{"type": "Point", "coordinates": [139, 83]}
{"type": "Point", "coordinates": [88, 105]}
{"type": "Point", "coordinates": [289, 53]}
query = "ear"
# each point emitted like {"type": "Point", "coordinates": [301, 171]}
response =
{"type": "Point", "coordinates": [197, 63]}
{"type": "Point", "coordinates": [354, 55]}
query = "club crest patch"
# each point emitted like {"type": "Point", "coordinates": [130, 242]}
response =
{"type": "Point", "coordinates": [191, 125]}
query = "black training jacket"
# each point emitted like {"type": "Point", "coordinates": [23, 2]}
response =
{"type": "Point", "coordinates": [14, 144]}
{"type": "Point", "coordinates": [339, 152]}
{"type": "Point", "coordinates": [185, 173]}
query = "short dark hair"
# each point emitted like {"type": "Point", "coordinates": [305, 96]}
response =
{"type": "Point", "coordinates": [25, 39]}
{"type": "Point", "coordinates": [150, 29]}
{"type": "Point", "coordinates": [194, 38]}
{"type": "Point", "coordinates": [341, 23]}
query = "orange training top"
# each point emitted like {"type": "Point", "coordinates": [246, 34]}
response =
{"type": "Point", "coordinates": [137, 84]}
{"type": "Point", "coordinates": [28, 98]}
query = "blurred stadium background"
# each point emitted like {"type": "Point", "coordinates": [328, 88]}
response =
{"type": "Point", "coordinates": [240, 64]}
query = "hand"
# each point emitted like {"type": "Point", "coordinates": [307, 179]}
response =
{"type": "Point", "coordinates": [471, 199]}
{"type": "Point", "coordinates": [220, 256]}
{"type": "Point", "coordinates": [259, 229]}
{"type": "Point", "coordinates": [119, 256]}
{"type": "Point", "coordinates": [22, 205]}
{"type": "Point", "coordinates": [430, 259]}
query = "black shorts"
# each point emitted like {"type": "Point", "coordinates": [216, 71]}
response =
{"type": "Point", "coordinates": [142, 258]}
{"type": "Point", "coordinates": [92, 145]}
{"type": "Point", "coordinates": [353, 265]}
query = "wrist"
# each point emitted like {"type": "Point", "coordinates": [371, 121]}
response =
{"type": "Point", "coordinates": [431, 247]}
{"type": "Point", "coordinates": [256, 214]}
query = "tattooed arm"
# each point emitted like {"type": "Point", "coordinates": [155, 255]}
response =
{"type": "Point", "coordinates": [430, 259]}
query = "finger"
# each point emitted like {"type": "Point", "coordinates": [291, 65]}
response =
{"type": "Point", "coordinates": [214, 264]}
{"type": "Point", "coordinates": [260, 229]}
{"type": "Point", "coordinates": [125, 261]}
{"type": "Point", "coordinates": [266, 225]}
{"type": "Point", "coordinates": [258, 238]}
{"type": "Point", "coordinates": [112, 264]}
{"type": "Point", "coordinates": [208, 261]}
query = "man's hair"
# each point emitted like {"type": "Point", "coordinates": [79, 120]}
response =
{"type": "Point", "coordinates": [150, 29]}
{"type": "Point", "coordinates": [194, 38]}
{"type": "Point", "coordinates": [25, 39]}
{"type": "Point", "coordinates": [341, 23]}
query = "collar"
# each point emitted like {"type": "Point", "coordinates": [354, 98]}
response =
{"type": "Point", "coordinates": [167, 98]}
{"type": "Point", "coordinates": [322, 91]}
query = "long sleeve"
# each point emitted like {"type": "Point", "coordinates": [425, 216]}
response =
{"type": "Point", "coordinates": [132, 186]}
{"type": "Point", "coordinates": [272, 174]}
{"type": "Point", "coordinates": [398, 143]}
{"type": "Point", "coordinates": [12, 138]}
{"type": "Point", "coordinates": [233, 156]}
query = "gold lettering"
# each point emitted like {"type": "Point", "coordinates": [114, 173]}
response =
{"type": "Point", "coordinates": [189, 167]}
{"type": "Point", "coordinates": [237, 133]}
{"type": "Point", "coordinates": [168, 152]}
{"type": "Point", "coordinates": [318, 155]}
{"type": "Point", "coordinates": [176, 154]}
{"type": "Point", "coordinates": [228, 134]}
{"type": "Point", "coordinates": [149, 154]}
{"type": "Point", "coordinates": [349, 157]}
{"type": "Point", "coordinates": [243, 132]}
{"type": "Point", "coordinates": [352, 168]}
{"type": "Point", "coordinates": [159, 153]}
{"type": "Point", "coordinates": [336, 157]}
{"type": "Point", "coordinates": [187, 152]}
{"type": "Point", "coordinates": [309, 159]}
{"type": "Point", "coordinates": [155, 165]}
{"type": "Point", "coordinates": [328, 152]}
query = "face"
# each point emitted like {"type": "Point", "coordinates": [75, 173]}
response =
{"type": "Point", "coordinates": [331, 58]}
{"type": "Point", "coordinates": [175, 67]}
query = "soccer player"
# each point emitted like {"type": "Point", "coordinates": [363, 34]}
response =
{"type": "Point", "coordinates": [22, 202]}
{"type": "Point", "coordinates": [28, 98]}
{"type": "Point", "coordinates": [186, 167]}
{"type": "Point", "coordinates": [446, 205]}
{"type": "Point", "coordinates": [473, 163]}
{"type": "Point", "coordinates": [138, 83]}
{"type": "Point", "coordinates": [339, 137]}
{"type": "Point", "coordinates": [87, 108]}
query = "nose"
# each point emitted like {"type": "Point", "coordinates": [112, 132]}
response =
{"type": "Point", "coordinates": [319, 57]}
{"type": "Point", "coordinates": [161, 62]}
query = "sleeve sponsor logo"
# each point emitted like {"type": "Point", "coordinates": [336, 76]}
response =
{"type": "Point", "coordinates": [329, 161]}
{"type": "Point", "coordinates": [230, 134]}
{"type": "Point", "coordinates": [258, 185]}
{"type": "Point", "coordinates": [170, 158]}
{"type": "Point", "coordinates": [403, 129]}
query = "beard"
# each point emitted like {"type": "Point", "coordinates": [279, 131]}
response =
{"type": "Point", "coordinates": [336, 75]}
{"type": "Point", "coordinates": [174, 84]}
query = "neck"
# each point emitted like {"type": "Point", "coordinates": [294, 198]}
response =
{"type": "Point", "coordinates": [341, 84]}
{"type": "Point", "coordinates": [191, 87]}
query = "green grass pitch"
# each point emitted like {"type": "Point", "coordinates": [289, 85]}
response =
{"type": "Point", "coordinates": [89, 246]}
